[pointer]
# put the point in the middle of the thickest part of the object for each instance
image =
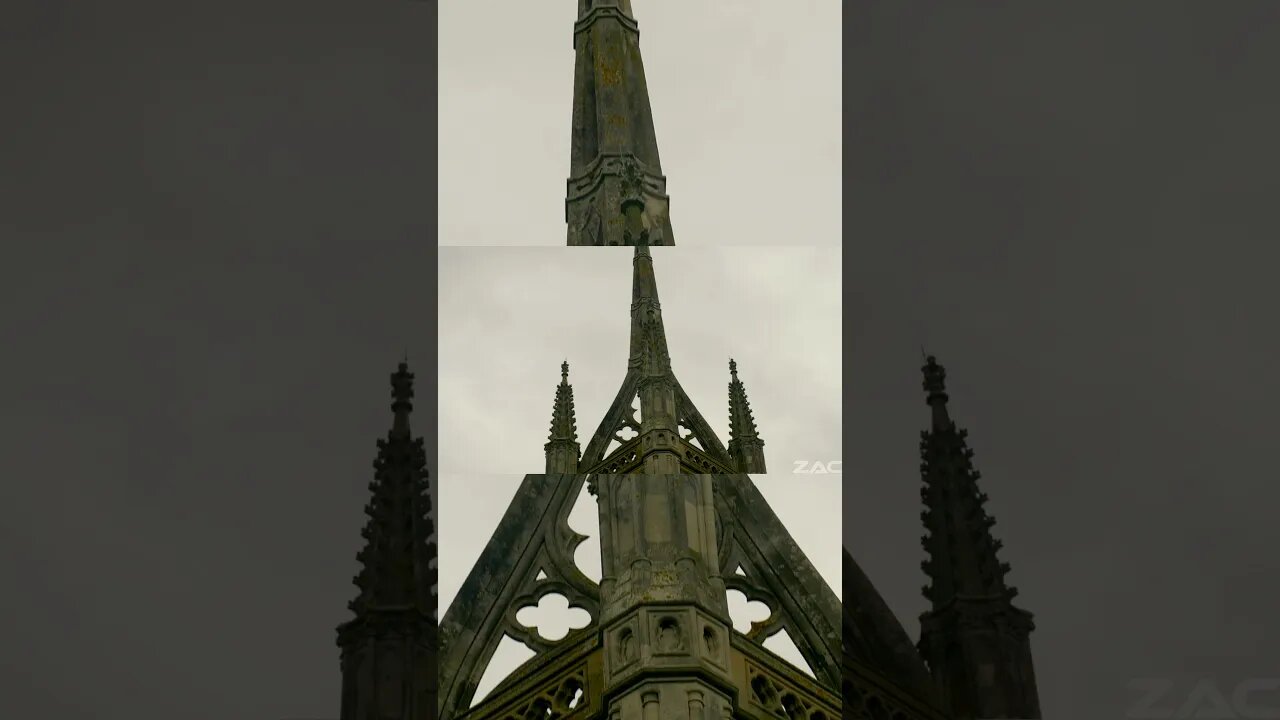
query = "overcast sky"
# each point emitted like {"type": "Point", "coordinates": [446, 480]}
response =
{"type": "Point", "coordinates": [510, 316]}
{"type": "Point", "coordinates": [746, 104]}
{"type": "Point", "coordinates": [1072, 204]}
{"type": "Point", "coordinates": [808, 505]}
{"type": "Point", "coordinates": [218, 242]}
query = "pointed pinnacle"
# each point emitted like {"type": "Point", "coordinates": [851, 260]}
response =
{"type": "Point", "coordinates": [563, 423]}
{"type": "Point", "coordinates": [648, 340]}
{"type": "Point", "coordinates": [741, 423]}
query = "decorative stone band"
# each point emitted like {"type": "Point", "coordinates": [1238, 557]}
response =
{"type": "Point", "coordinates": [594, 197]}
{"type": "Point", "coordinates": [646, 304]}
{"type": "Point", "coordinates": [774, 689]}
{"type": "Point", "coordinates": [598, 13]}
{"type": "Point", "coordinates": [615, 165]}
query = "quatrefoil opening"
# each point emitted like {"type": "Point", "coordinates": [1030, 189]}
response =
{"type": "Point", "coordinates": [552, 617]}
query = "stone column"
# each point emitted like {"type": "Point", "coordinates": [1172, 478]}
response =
{"type": "Point", "coordinates": [664, 612]}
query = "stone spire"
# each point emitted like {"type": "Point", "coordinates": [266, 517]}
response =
{"type": "Point", "coordinates": [975, 641]}
{"type": "Point", "coordinates": [388, 649]}
{"type": "Point", "coordinates": [656, 445]}
{"type": "Point", "coordinates": [562, 447]}
{"type": "Point", "coordinates": [745, 446]}
{"type": "Point", "coordinates": [395, 562]}
{"type": "Point", "coordinates": [613, 131]}
{"type": "Point", "coordinates": [961, 549]}
{"type": "Point", "coordinates": [656, 386]}
{"type": "Point", "coordinates": [648, 336]}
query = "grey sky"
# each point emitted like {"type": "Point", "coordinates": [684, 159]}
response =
{"type": "Point", "coordinates": [809, 506]}
{"type": "Point", "coordinates": [746, 103]}
{"type": "Point", "coordinates": [1072, 204]}
{"type": "Point", "coordinates": [510, 316]}
{"type": "Point", "coordinates": [218, 241]}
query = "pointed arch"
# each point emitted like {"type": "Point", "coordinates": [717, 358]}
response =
{"type": "Point", "coordinates": [533, 538]}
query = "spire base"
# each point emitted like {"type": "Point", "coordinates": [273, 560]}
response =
{"type": "Point", "coordinates": [594, 195]}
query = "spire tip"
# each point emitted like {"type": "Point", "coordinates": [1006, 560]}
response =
{"type": "Point", "coordinates": [935, 379]}
{"type": "Point", "coordinates": [402, 383]}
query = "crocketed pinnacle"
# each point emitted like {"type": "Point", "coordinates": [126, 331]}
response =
{"type": "Point", "coordinates": [962, 554]}
{"type": "Point", "coordinates": [396, 570]}
{"type": "Point", "coordinates": [976, 643]}
{"type": "Point", "coordinates": [562, 449]}
{"type": "Point", "coordinates": [648, 337]}
{"type": "Point", "coordinates": [564, 425]}
{"type": "Point", "coordinates": [742, 425]}
{"type": "Point", "coordinates": [745, 446]}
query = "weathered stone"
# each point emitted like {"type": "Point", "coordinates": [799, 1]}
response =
{"type": "Point", "coordinates": [613, 148]}
{"type": "Point", "coordinates": [658, 447]}
{"type": "Point", "coordinates": [660, 634]}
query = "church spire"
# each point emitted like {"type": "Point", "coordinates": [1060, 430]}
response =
{"type": "Point", "coordinates": [961, 549]}
{"type": "Point", "coordinates": [613, 130]}
{"type": "Point", "coordinates": [397, 580]}
{"type": "Point", "coordinates": [562, 447]}
{"type": "Point", "coordinates": [979, 676]}
{"type": "Point", "coordinates": [656, 445]}
{"type": "Point", "coordinates": [648, 337]}
{"type": "Point", "coordinates": [745, 446]}
{"type": "Point", "coordinates": [655, 385]}
{"type": "Point", "coordinates": [395, 562]}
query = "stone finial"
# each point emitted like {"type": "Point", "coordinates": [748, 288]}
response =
{"type": "Point", "coordinates": [402, 383]}
{"type": "Point", "coordinates": [935, 380]}
{"type": "Point", "coordinates": [402, 397]}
